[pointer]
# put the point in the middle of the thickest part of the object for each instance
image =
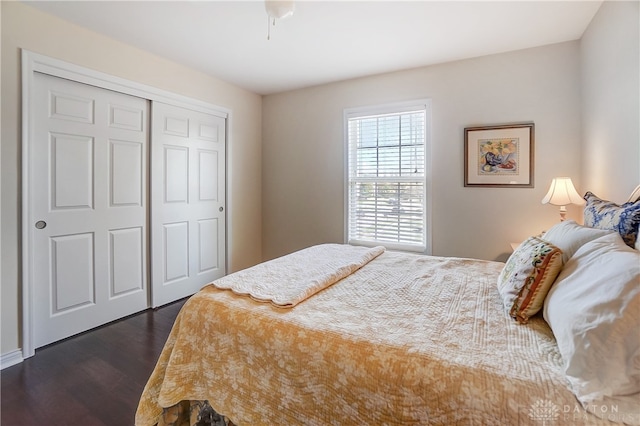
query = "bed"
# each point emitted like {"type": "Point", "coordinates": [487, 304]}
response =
{"type": "Point", "coordinates": [380, 337]}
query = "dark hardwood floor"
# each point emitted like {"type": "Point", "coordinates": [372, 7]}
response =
{"type": "Point", "coordinates": [93, 379]}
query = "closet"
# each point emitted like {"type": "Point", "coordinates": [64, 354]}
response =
{"type": "Point", "coordinates": [124, 190]}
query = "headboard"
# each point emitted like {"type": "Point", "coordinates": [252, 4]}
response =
{"type": "Point", "coordinates": [635, 195]}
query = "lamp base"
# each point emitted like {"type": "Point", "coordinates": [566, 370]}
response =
{"type": "Point", "coordinates": [563, 213]}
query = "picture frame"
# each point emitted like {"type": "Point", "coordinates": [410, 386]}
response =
{"type": "Point", "coordinates": [499, 156]}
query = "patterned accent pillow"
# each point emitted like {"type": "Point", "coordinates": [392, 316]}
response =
{"type": "Point", "coordinates": [603, 214]}
{"type": "Point", "coordinates": [527, 277]}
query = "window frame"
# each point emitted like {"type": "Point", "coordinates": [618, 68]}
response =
{"type": "Point", "coordinates": [382, 109]}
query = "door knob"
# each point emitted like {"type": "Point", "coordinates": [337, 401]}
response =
{"type": "Point", "coordinates": [41, 224]}
{"type": "Point", "coordinates": [221, 209]}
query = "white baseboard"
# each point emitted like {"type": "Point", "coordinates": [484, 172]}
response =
{"type": "Point", "coordinates": [10, 358]}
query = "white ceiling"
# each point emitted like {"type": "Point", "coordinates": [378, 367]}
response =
{"type": "Point", "coordinates": [325, 41]}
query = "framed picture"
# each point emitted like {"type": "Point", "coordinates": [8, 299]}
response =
{"type": "Point", "coordinates": [499, 156]}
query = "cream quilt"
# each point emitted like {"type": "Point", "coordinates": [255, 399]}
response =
{"type": "Point", "coordinates": [406, 339]}
{"type": "Point", "coordinates": [289, 280]}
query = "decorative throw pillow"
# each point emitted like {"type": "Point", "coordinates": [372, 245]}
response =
{"type": "Point", "coordinates": [635, 196]}
{"type": "Point", "coordinates": [603, 214]}
{"type": "Point", "coordinates": [568, 236]}
{"type": "Point", "coordinates": [594, 312]}
{"type": "Point", "coordinates": [527, 276]}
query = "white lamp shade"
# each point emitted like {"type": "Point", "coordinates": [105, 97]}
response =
{"type": "Point", "coordinates": [279, 9]}
{"type": "Point", "coordinates": [562, 192]}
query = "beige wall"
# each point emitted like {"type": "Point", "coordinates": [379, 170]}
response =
{"type": "Point", "coordinates": [303, 151]}
{"type": "Point", "coordinates": [26, 27]}
{"type": "Point", "coordinates": [610, 66]}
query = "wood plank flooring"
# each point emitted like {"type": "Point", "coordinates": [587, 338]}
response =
{"type": "Point", "coordinates": [93, 379]}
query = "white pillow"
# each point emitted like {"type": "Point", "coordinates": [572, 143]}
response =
{"type": "Point", "coordinates": [594, 312]}
{"type": "Point", "coordinates": [568, 236]}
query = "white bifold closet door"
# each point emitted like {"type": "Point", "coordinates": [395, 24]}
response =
{"type": "Point", "coordinates": [187, 201]}
{"type": "Point", "coordinates": [88, 186]}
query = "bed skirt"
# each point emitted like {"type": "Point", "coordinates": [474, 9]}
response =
{"type": "Point", "coordinates": [192, 413]}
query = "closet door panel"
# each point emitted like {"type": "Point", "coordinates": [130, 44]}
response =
{"type": "Point", "coordinates": [88, 206]}
{"type": "Point", "coordinates": [188, 217]}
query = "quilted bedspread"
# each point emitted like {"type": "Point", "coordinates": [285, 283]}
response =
{"type": "Point", "coordinates": [289, 280]}
{"type": "Point", "coordinates": [406, 339]}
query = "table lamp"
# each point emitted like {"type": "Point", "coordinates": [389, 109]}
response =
{"type": "Point", "coordinates": [562, 192]}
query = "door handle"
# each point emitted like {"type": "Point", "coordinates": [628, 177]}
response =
{"type": "Point", "coordinates": [41, 224]}
{"type": "Point", "coordinates": [221, 209]}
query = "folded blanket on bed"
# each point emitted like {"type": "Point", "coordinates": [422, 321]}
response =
{"type": "Point", "coordinates": [289, 280]}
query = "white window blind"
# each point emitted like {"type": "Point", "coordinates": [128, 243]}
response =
{"type": "Point", "coordinates": [386, 178]}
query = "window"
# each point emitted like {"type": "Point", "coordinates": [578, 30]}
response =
{"type": "Point", "coordinates": [387, 176]}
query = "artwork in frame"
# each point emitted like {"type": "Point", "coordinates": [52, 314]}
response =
{"type": "Point", "coordinates": [499, 156]}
